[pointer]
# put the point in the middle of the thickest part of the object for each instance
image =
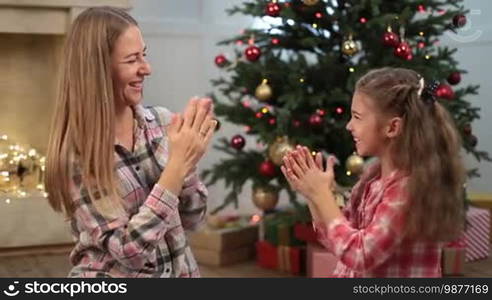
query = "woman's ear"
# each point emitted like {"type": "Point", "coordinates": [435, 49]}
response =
{"type": "Point", "coordinates": [394, 127]}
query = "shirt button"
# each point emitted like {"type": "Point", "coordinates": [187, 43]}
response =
{"type": "Point", "coordinates": [168, 270]}
{"type": "Point", "coordinates": [137, 168]}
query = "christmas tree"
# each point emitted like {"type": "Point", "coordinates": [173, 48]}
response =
{"type": "Point", "coordinates": [292, 81]}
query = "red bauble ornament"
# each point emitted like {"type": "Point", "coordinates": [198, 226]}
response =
{"type": "Point", "coordinates": [275, 41]}
{"type": "Point", "coordinates": [220, 60]}
{"type": "Point", "coordinates": [272, 9]}
{"type": "Point", "coordinates": [391, 39]}
{"type": "Point", "coordinates": [403, 51]}
{"type": "Point", "coordinates": [445, 91]}
{"type": "Point", "coordinates": [296, 123]}
{"type": "Point", "coordinates": [454, 78]}
{"type": "Point", "coordinates": [467, 129]}
{"type": "Point", "coordinates": [315, 120]}
{"type": "Point", "coordinates": [252, 53]}
{"type": "Point", "coordinates": [238, 142]}
{"type": "Point", "coordinates": [459, 21]}
{"type": "Point", "coordinates": [267, 169]}
{"type": "Point", "coordinates": [272, 121]}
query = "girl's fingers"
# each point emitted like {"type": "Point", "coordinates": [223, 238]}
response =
{"type": "Point", "coordinates": [296, 169]}
{"type": "Point", "coordinates": [319, 161]}
{"type": "Point", "coordinates": [289, 175]}
{"type": "Point", "coordinates": [300, 159]}
{"type": "Point", "coordinates": [284, 171]}
{"type": "Point", "coordinates": [309, 158]}
{"type": "Point", "coordinates": [330, 163]}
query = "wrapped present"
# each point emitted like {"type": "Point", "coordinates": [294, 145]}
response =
{"type": "Point", "coordinates": [477, 233]}
{"type": "Point", "coordinates": [305, 232]}
{"type": "Point", "coordinates": [279, 230]}
{"type": "Point", "coordinates": [223, 239]}
{"type": "Point", "coordinates": [283, 258]}
{"type": "Point", "coordinates": [320, 262]}
{"type": "Point", "coordinates": [291, 259]}
{"type": "Point", "coordinates": [222, 258]}
{"type": "Point", "coordinates": [297, 260]}
{"type": "Point", "coordinates": [453, 258]}
{"type": "Point", "coordinates": [219, 247]}
{"type": "Point", "coordinates": [266, 255]}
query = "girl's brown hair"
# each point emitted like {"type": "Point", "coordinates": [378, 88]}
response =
{"type": "Point", "coordinates": [82, 132]}
{"type": "Point", "coordinates": [428, 148]}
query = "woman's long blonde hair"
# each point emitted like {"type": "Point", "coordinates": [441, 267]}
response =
{"type": "Point", "coordinates": [81, 144]}
{"type": "Point", "coordinates": [428, 148]}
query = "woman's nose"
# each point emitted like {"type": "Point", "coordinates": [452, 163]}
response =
{"type": "Point", "coordinates": [145, 68]}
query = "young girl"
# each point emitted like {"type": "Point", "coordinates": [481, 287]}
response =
{"type": "Point", "coordinates": [123, 174]}
{"type": "Point", "coordinates": [406, 204]}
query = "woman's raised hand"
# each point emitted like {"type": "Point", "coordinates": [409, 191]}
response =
{"type": "Point", "coordinates": [190, 134]}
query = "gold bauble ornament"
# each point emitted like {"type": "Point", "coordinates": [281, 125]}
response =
{"type": "Point", "coordinates": [310, 2]}
{"type": "Point", "coordinates": [263, 91]}
{"type": "Point", "coordinates": [354, 164]}
{"type": "Point", "coordinates": [264, 197]}
{"type": "Point", "coordinates": [278, 149]}
{"type": "Point", "coordinates": [350, 47]}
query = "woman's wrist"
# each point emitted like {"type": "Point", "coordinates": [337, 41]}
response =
{"type": "Point", "coordinates": [172, 177]}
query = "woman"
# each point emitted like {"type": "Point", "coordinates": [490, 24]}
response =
{"type": "Point", "coordinates": [124, 175]}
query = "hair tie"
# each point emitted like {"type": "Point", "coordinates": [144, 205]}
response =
{"type": "Point", "coordinates": [427, 92]}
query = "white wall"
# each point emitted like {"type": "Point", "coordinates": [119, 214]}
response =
{"type": "Point", "coordinates": [182, 36]}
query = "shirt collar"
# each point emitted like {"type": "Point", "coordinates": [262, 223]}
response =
{"type": "Point", "coordinates": [142, 115]}
{"type": "Point", "coordinates": [374, 173]}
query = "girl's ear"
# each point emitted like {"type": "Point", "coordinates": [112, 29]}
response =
{"type": "Point", "coordinates": [394, 127]}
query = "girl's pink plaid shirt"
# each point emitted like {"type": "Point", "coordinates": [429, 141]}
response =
{"type": "Point", "coordinates": [369, 240]}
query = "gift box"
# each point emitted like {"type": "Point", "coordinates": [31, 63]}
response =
{"type": "Point", "coordinates": [221, 258]}
{"type": "Point", "coordinates": [223, 239]}
{"type": "Point", "coordinates": [477, 234]}
{"type": "Point", "coordinates": [453, 258]}
{"type": "Point", "coordinates": [218, 247]}
{"type": "Point", "coordinates": [320, 262]}
{"type": "Point", "coordinates": [283, 258]}
{"type": "Point", "coordinates": [305, 232]}
{"type": "Point", "coordinates": [279, 230]}
{"type": "Point", "coordinates": [266, 255]}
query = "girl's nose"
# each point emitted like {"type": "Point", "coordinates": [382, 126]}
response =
{"type": "Point", "coordinates": [349, 125]}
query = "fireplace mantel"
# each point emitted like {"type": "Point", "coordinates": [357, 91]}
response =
{"type": "Point", "coordinates": [46, 16]}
